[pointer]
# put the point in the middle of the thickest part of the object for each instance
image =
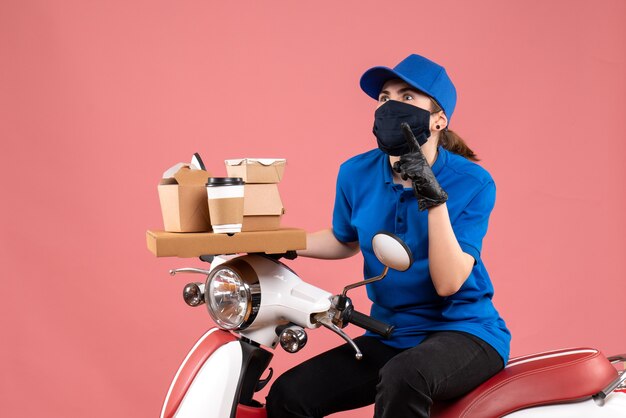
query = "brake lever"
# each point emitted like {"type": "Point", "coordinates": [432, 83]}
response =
{"type": "Point", "coordinates": [327, 322]}
{"type": "Point", "coordinates": [189, 270]}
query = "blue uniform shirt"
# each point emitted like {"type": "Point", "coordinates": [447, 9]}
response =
{"type": "Point", "coordinates": [367, 201]}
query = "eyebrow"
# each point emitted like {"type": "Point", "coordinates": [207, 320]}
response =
{"type": "Point", "coordinates": [402, 90]}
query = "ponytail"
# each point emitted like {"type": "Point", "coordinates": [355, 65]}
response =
{"type": "Point", "coordinates": [454, 143]}
{"type": "Point", "coordinates": [451, 141]}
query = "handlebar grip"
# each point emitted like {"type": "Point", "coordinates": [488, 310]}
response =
{"type": "Point", "coordinates": [367, 322]}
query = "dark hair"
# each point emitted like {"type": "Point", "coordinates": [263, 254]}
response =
{"type": "Point", "coordinates": [452, 141]}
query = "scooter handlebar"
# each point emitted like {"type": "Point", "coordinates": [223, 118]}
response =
{"type": "Point", "coordinates": [367, 322]}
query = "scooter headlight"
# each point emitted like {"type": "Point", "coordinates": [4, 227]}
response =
{"type": "Point", "coordinates": [229, 298]}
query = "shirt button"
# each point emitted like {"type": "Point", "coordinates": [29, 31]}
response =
{"type": "Point", "coordinates": [399, 219]}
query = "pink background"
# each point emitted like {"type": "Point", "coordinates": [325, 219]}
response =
{"type": "Point", "coordinates": [97, 99]}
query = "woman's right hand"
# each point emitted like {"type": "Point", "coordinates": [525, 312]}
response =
{"type": "Point", "coordinates": [413, 165]}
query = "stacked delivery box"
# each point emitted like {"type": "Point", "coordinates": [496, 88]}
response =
{"type": "Point", "coordinates": [186, 215]}
{"type": "Point", "coordinates": [263, 208]}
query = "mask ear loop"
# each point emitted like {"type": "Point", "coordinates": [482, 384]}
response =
{"type": "Point", "coordinates": [445, 129]}
{"type": "Point", "coordinates": [437, 110]}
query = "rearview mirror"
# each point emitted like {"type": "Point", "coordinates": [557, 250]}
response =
{"type": "Point", "coordinates": [392, 251]}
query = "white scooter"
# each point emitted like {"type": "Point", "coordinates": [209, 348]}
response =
{"type": "Point", "coordinates": [258, 301]}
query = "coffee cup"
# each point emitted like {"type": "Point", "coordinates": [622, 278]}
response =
{"type": "Point", "coordinates": [225, 203]}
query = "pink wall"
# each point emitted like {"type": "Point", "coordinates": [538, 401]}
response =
{"type": "Point", "coordinates": [98, 98]}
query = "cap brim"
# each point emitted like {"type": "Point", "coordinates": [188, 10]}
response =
{"type": "Point", "coordinates": [373, 80]}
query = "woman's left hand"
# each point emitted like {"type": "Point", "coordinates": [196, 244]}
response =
{"type": "Point", "coordinates": [413, 165]}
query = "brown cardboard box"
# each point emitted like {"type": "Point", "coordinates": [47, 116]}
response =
{"type": "Point", "coordinates": [195, 244]}
{"type": "Point", "coordinates": [262, 207]}
{"type": "Point", "coordinates": [257, 170]}
{"type": "Point", "coordinates": [184, 203]}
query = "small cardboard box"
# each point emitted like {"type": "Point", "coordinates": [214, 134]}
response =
{"type": "Point", "coordinates": [262, 207]}
{"type": "Point", "coordinates": [183, 197]}
{"type": "Point", "coordinates": [256, 170]}
{"type": "Point", "coordinates": [169, 244]}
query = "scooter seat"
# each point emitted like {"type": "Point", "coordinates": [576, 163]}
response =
{"type": "Point", "coordinates": [545, 378]}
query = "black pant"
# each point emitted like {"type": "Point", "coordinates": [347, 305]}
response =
{"type": "Point", "coordinates": [403, 383]}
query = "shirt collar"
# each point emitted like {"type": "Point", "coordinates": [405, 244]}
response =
{"type": "Point", "coordinates": [440, 162]}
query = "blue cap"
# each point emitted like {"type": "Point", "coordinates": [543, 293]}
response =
{"type": "Point", "coordinates": [418, 72]}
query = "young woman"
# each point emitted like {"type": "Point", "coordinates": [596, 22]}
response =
{"type": "Point", "coordinates": [420, 183]}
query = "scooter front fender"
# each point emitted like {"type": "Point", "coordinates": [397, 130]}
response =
{"type": "Point", "coordinates": [205, 384]}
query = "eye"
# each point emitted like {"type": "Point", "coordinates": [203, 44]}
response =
{"type": "Point", "coordinates": [408, 97]}
{"type": "Point", "coordinates": [383, 98]}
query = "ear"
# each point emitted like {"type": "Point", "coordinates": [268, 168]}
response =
{"type": "Point", "coordinates": [440, 119]}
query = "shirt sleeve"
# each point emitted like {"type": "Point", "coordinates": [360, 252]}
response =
{"type": "Point", "coordinates": [343, 229]}
{"type": "Point", "coordinates": [471, 226]}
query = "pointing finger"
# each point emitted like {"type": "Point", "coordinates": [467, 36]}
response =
{"type": "Point", "coordinates": [410, 138]}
